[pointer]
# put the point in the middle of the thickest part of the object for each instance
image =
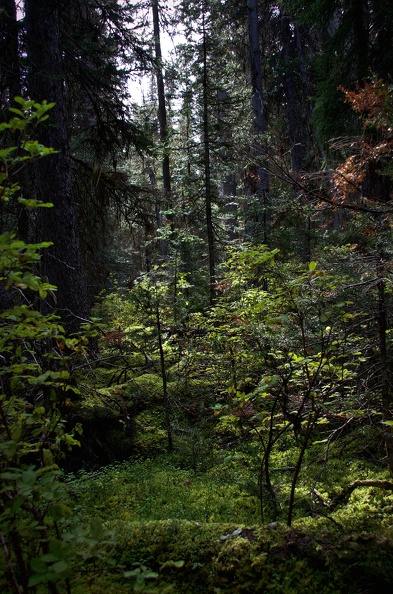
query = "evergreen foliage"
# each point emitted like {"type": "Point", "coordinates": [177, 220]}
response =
{"type": "Point", "coordinates": [228, 426]}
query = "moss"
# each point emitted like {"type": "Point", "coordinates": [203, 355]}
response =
{"type": "Point", "coordinates": [192, 558]}
{"type": "Point", "coordinates": [216, 560]}
{"type": "Point", "coordinates": [351, 551]}
{"type": "Point", "coordinates": [148, 387]}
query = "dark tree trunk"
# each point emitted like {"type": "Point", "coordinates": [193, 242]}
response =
{"type": "Point", "coordinates": [295, 102]}
{"type": "Point", "coordinates": [259, 172]}
{"type": "Point", "coordinates": [167, 404]}
{"type": "Point", "coordinates": [9, 53]}
{"type": "Point", "coordinates": [9, 73]}
{"type": "Point", "coordinates": [208, 182]}
{"type": "Point", "coordinates": [229, 185]}
{"type": "Point", "coordinates": [162, 111]}
{"type": "Point", "coordinates": [386, 394]}
{"type": "Point", "coordinates": [10, 87]}
{"type": "Point", "coordinates": [62, 263]}
{"type": "Point", "coordinates": [298, 115]}
{"type": "Point", "coordinates": [162, 120]}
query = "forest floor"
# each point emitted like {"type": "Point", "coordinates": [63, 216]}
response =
{"type": "Point", "coordinates": [170, 529]}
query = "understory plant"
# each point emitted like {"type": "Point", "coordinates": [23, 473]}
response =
{"type": "Point", "coordinates": [37, 391]}
{"type": "Point", "coordinates": [293, 343]}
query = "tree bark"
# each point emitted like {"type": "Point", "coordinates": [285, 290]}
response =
{"type": "Point", "coordinates": [162, 111]}
{"type": "Point", "coordinates": [167, 404]}
{"type": "Point", "coordinates": [9, 87]}
{"type": "Point", "coordinates": [208, 182]}
{"type": "Point", "coordinates": [9, 53]}
{"type": "Point", "coordinates": [298, 113]}
{"type": "Point", "coordinates": [162, 121]}
{"type": "Point", "coordinates": [295, 118]}
{"type": "Point", "coordinates": [228, 185]}
{"type": "Point", "coordinates": [62, 263]}
{"type": "Point", "coordinates": [259, 172]}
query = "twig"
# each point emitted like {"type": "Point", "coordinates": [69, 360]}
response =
{"type": "Point", "coordinates": [9, 564]}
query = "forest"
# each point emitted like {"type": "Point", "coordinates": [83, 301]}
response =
{"type": "Point", "coordinates": [196, 296]}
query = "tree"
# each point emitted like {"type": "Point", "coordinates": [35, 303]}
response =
{"type": "Point", "coordinates": [347, 47]}
{"type": "Point", "coordinates": [104, 131]}
{"type": "Point", "coordinates": [363, 183]}
{"type": "Point", "coordinates": [53, 180]}
{"type": "Point", "coordinates": [9, 52]}
{"type": "Point", "coordinates": [162, 111]}
{"type": "Point", "coordinates": [37, 358]}
{"type": "Point", "coordinates": [259, 170]}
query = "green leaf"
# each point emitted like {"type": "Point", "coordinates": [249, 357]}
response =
{"type": "Point", "coordinates": [17, 111]}
{"type": "Point", "coordinates": [29, 476]}
{"type": "Point", "coordinates": [49, 558]}
{"type": "Point", "coordinates": [60, 567]}
{"type": "Point", "coordinates": [31, 203]}
{"type": "Point", "coordinates": [38, 566]}
{"type": "Point", "coordinates": [174, 564]}
{"type": "Point", "coordinates": [38, 578]}
{"type": "Point", "coordinates": [150, 575]}
{"type": "Point", "coordinates": [132, 573]}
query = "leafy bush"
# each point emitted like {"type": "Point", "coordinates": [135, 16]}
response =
{"type": "Point", "coordinates": [37, 390]}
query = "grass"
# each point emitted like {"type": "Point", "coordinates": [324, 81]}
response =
{"type": "Point", "coordinates": [158, 490]}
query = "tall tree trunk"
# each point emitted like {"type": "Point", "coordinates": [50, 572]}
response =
{"type": "Point", "coordinates": [10, 87]}
{"type": "Point", "coordinates": [162, 120]}
{"type": "Point", "coordinates": [162, 111]}
{"type": "Point", "coordinates": [9, 68]}
{"type": "Point", "coordinates": [208, 182]}
{"type": "Point", "coordinates": [295, 103]}
{"type": "Point", "coordinates": [298, 113]}
{"type": "Point", "coordinates": [228, 186]}
{"type": "Point", "coordinates": [9, 53]}
{"type": "Point", "coordinates": [259, 172]}
{"type": "Point", "coordinates": [62, 263]}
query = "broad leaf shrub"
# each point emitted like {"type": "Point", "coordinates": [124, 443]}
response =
{"type": "Point", "coordinates": [37, 389]}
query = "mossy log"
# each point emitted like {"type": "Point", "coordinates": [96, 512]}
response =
{"type": "Point", "coordinates": [347, 491]}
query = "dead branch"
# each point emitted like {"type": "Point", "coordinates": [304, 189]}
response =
{"type": "Point", "coordinates": [347, 491]}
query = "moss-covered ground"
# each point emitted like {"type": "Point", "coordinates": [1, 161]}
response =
{"type": "Point", "coordinates": [177, 531]}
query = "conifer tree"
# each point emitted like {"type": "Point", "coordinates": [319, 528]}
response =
{"type": "Point", "coordinates": [53, 180]}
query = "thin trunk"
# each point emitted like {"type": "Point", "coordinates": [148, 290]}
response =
{"type": "Point", "coordinates": [158, 216]}
{"type": "Point", "coordinates": [294, 102]}
{"type": "Point", "coordinates": [162, 111]}
{"type": "Point", "coordinates": [23, 570]}
{"type": "Point", "coordinates": [386, 398]}
{"type": "Point", "coordinates": [163, 122]}
{"type": "Point", "coordinates": [312, 418]}
{"type": "Point", "coordinates": [164, 382]}
{"type": "Point", "coordinates": [298, 114]}
{"type": "Point", "coordinates": [10, 87]}
{"type": "Point", "coordinates": [208, 182]}
{"type": "Point", "coordinates": [9, 72]}
{"type": "Point", "coordinates": [10, 566]}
